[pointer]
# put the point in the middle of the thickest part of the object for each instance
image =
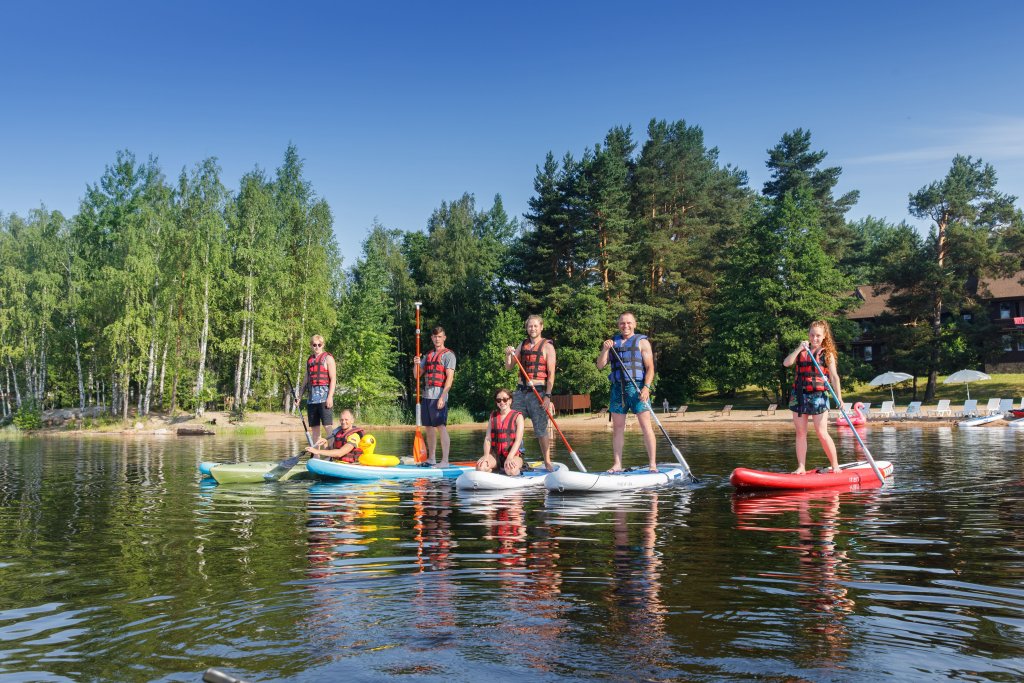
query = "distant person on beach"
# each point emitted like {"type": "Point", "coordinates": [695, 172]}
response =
{"type": "Point", "coordinates": [809, 396]}
{"type": "Point", "coordinates": [537, 356]}
{"type": "Point", "coordinates": [438, 366]}
{"type": "Point", "coordinates": [504, 439]}
{"type": "Point", "coordinates": [321, 378]}
{"type": "Point", "coordinates": [632, 363]}
{"type": "Point", "coordinates": [345, 441]}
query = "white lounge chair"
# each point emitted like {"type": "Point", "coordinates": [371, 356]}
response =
{"type": "Point", "coordinates": [993, 406]}
{"type": "Point", "coordinates": [886, 409]}
{"type": "Point", "coordinates": [848, 407]}
{"type": "Point", "coordinates": [1005, 406]}
{"type": "Point", "coordinates": [969, 409]}
{"type": "Point", "coordinates": [942, 409]}
{"type": "Point", "coordinates": [913, 410]}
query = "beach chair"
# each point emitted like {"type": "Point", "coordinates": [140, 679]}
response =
{"type": "Point", "coordinates": [848, 407]}
{"type": "Point", "coordinates": [724, 412]}
{"type": "Point", "coordinates": [770, 410]}
{"type": "Point", "coordinates": [942, 409]}
{"type": "Point", "coordinates": [993, 406]}
{"type": "Point", "coordinates": [681, 410]}
{"type": "Point", "coordinates": [969, 409]}
{"type": "Point", "coordinates": [886, 410]}
{"type": "Point", "coordinates": [913, 410]}
{"type": "Point", "coordinates": [1005, 406]}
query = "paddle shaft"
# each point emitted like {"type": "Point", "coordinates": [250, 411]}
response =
{"type": "Point", "coordinates": [828, 385]}
{"type": "Point", "coordinates": [572, 453]}
{"type": "Point", "coordinates": [675, 451]}
{"type": "Point", "coordinates": [298, 407]}
{"type": "Point", "coordinates": [418, 370]}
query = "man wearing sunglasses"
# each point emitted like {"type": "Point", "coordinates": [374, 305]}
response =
{"type": "Point", "coordinates": [321, 377]}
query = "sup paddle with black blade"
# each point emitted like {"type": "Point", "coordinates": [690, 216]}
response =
{"type": "Point", "coordinates": [675, 451]}
{"type": "Point", "coordinates": [572, 453]}
{"type": "Point", "coordinates": [285, 466]}
{"type": "Point", "coordinates": [419, 446]}
{"type": "Point", "coordinates": [828, 385]}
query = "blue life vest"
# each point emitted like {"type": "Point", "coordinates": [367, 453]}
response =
{"type": "Point", "coordinates": [632, 359]}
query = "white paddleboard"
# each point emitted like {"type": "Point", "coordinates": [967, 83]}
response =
{"type": "Point", "coordinates": [978, 421]}
{"type": "Point", "coordinates": [566, 480]}
{"type": "Point", "coordinates": [492, 481]}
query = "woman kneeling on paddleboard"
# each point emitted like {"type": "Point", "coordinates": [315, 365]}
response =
{"type": "Point", "coordinates": [504, 438]}
{"type": "Point", "coordinates": [809, 397]}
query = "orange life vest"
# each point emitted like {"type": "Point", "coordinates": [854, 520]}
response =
{"type": "Point", "coordinates": [435, 371]}
{"type": "Point", "coordinates": [533, 360]}
{"type": "Point", "coordinates": [808, 379]}
{"type": "Point", "coordinates": [341, 438]}
{"type": "Point", "coordinates": [316, 366]}
{"type": "Point", "coordinates": [503, 434]}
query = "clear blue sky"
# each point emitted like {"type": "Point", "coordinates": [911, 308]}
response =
{"type": "Point", "coordinates": [400, 105]}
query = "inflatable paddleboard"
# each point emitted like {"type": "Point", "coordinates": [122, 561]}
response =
{"type": "Point", "coordinates": [857, 473]}
{"type": "Point", "coordinates": [248, 472]}
{"type": "Point", "coordinates": [492, 481]}
{"type": "Point", "coordinates": [566, 480]}
{"type": "Point", "coordinates": [978, 421]}
{"type": "Point", "coordinates": [1017, 423]}
{"type": "Point", "coordinates": [354, 471]}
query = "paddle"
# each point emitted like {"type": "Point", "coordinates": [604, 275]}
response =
{"type": "Point", "coordinates": [572, 453]}
{"type": "Point", "coordinates": [828, 385]}
{"type": "Point", "coordinates": [675, 451]}
{"type": "Point", "coordinates": [419, 446]}
{"type": "Point", "coordinates": [285, 466]}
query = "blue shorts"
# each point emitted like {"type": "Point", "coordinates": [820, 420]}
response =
{"type": "Point", "coordinates": [632, 401]}
{"type": "Point", "coordinates": [808, 403]}
{"type": "Point", "coordinates": [431, 416]}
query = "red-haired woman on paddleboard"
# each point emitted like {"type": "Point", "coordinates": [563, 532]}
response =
{"type": "Point", "coordinates": [809, 397]}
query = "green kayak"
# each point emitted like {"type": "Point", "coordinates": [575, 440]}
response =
{"type": "Point", "coordinates": [249, 472]}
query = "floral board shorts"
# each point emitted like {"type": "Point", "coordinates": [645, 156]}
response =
{"type": "Point", "coordinates": [621, 404]}
{"type": "Point", "coordinates": [809, 403]}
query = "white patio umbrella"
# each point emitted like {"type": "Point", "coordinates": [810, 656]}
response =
{"type": "Point", "coordinates": [890, 378]}
{"type": "Point", "coordinates": [966, 376]}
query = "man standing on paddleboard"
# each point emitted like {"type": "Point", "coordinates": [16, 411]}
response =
{"type": "Point", "coordinates": [630, 356]}
{"type": "Point", "coordinates": [809, 397]}
{"type": "Point", "coordinates": [537, 362]}
{"type": "Point", "coordinates": [321, 378]}
{"type": "Point", "coordinates": [438, 366]}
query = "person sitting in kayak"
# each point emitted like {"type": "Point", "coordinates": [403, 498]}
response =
{"type": "Point", "coordinates": [809, 397]}
{"type": "Point", "coordinates": [504, 440]}
{"type": "Point", "coordinates": [345, 441]}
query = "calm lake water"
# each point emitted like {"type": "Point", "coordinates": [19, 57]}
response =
{"type": "Point", "coordinates": [117, 564]}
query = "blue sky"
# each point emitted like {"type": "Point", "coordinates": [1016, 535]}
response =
{"type": "Point", "coordinates": [398, 106]}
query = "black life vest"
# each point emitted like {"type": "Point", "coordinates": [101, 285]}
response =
{"type": "Point", "coordinates": [534, 362]}
{"type": "Point", "coordinates": [316, 366]}
{"type": "Point", "coordinates": [503, 434]}
{"type": "Point", "coordinates": [436, 375]}
{"type": "Point", "coordinates": [808, 379]}
{"type": "Point", "coordinates": [341, 438]}
{"type": "Point", "coordinates": [632, 364]}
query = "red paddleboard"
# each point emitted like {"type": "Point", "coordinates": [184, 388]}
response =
{"type": "Point", "coordinates": [1017, 412]}
{"type": "Point", "coordinates": [858, 473]}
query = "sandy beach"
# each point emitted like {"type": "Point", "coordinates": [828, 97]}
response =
{"type": "Point", "coordinates": [219, 423]}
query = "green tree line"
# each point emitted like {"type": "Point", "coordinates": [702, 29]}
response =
{"type": "Point", "coordinates": [174, 296]}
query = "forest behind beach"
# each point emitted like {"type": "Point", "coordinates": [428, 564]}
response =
{"type": "Point", "coordinates": [177, 292]}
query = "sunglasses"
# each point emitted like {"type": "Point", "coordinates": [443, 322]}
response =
{"type": "Point", "coordinates": [317, 346]}
{"type": "Point", "coordinates": [503, 399]}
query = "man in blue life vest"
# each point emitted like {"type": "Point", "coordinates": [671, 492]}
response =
{"type": "Point", "coordinates": [438, 367]}
{"type": "Point", "coordinates": [635, 360]}
{"type": "Point", "coordinates": [537, 356]}
{"type": "Point", "coordinates": [321, 377]}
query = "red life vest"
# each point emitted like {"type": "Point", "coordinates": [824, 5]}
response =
{"type": "Point", "coordinates": [533, 360]}
{"type": "Point", "coordinates": [316, 366]}
{"type": "Point", "coordinates": [341, 438]}
{"type": "Point", "coordinates": [503, 434]}
{"type": "Point", "coordinates": [435, 371]}
{"type": "Point", "coordinates": [808, 379]}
